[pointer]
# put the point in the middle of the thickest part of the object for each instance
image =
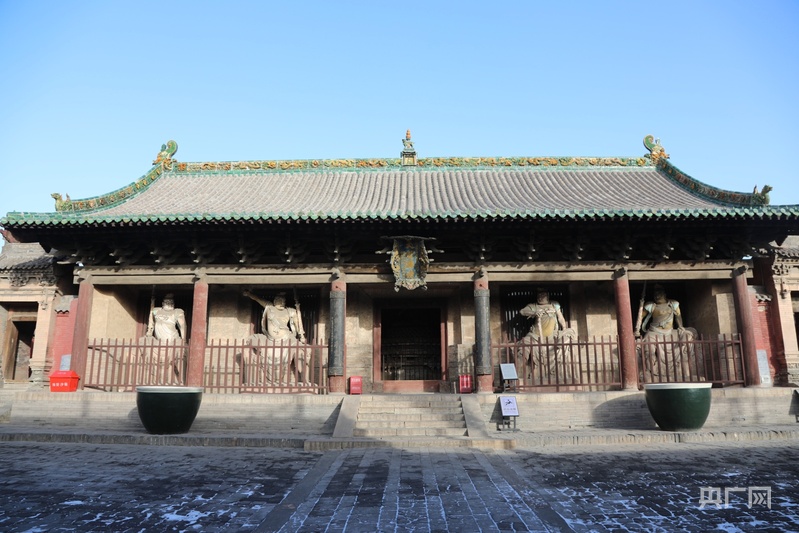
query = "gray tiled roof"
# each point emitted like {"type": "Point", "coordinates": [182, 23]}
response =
{"type": "Point", "coordinates": [24, 256]}
{"type": "Point", "coordinates": [397, 194]}
{"type": "Point", "coordinates": [511, 189]}
{"type": "Point", "coordinates": [789, 248]}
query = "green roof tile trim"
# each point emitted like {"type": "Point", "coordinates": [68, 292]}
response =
{"type": "Point", "coordinates": [708, 191]}
{"type": "Point", "coordinates": [756, 213]}
{"type": "Point", "coordinates": [112, 198]}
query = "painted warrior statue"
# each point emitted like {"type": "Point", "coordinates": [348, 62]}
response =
{"type": "Point", "coordinates": [167, 322]}
{"type": "Point", "coordinates": [280, 325]}
{"type": "Point", "coordinates": [541, 345]}
{"type": "Point", "coordinates": [664, 347]}
{"type": "Point", "coordinates": [166, 334]}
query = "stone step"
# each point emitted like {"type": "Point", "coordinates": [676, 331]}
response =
{"type": "Point", "coordinates": [381, 417]}
{"type": "Point", "coordinates": [410, 409]}
{"type": "Point", "coordinates": [410, 424]}
{"type": "Point", "coordinates": [409, 432]}
{"type": "Point", "coordinates": [413, 401]}
{"type": "Point", "coordinates": [405, 417]}
{"type": "Point", "coordinates": [385, 411]}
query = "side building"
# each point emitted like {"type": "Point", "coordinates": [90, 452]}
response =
{"type": "Point", "coordinates": [409, 274]}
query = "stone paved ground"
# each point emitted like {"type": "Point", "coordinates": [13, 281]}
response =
{"type": "Point", "coordinates": [85, 487]}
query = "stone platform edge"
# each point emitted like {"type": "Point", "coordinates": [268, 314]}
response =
{"type": "Point", "coordinates": [507, 441]}
{"type": "Point", "coordinates": [317, 422]}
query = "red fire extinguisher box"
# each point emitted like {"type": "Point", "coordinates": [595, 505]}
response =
{"type": "Point", "coordinates": [64, 381]}
{"type": "Point", "coordinates": [466, 384]}
{"type": "Point", "coordinates": [356, 385]}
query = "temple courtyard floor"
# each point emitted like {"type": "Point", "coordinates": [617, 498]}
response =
{"type": "Point", "coordinates": [715, 485]}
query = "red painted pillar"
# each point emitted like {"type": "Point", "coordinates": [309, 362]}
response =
{"type": "Point", "coordinates": [199, 334]}
{"type": "Point", "coordinates": [335, 356]}
{"type": "Point", "coordinates": [746, 325]}
{"type": "Point", "coordinates": [624, 326]}
{"type": "Point", "coordinates": [80, 339]}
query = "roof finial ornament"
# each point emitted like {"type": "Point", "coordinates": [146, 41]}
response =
{"type": "Point", "coordinates": [408, 154]}
{"type": "Point", "coordinates": [761, 198]}
{"type": "Point", "coordinates": [65, 204]}
{"type": "Point", "coordinates": [164, 157]}
{"type": "Point", "coordinates": [656, 151]}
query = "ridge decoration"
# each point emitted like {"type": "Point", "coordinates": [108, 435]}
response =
{"type": "Point", "coordinates": [437, 162]}
{"type": "Point", "coordinates": [164, 157]}
{"type": "Point", "coordinates": [656, 151]}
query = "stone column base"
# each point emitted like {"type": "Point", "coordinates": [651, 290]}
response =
{"type": "Point", "coordinates": [336, 384]}
{"type": "Point", "coordinates": [793, 373]}
{"type": "Point", "coordinates": [485, 384]}
{"type": "Point", "coordinates": [38, 379]}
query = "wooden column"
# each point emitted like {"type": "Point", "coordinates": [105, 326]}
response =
{"type": "Point", "coordinates": [335, 354]}
{"type": "Point", "coordinates": [199, 334]}
{"type": "Point", "coordinates": [746, 328]}
{"type": "Point", "coordinates": [80, 338]}
{"type": "Point", "coordinates": [482, 335]}
{"type": "Point", "coordinates": [624, 326]}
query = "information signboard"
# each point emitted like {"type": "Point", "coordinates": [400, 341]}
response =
{"type": "Point", "coordinates": [508, 406]}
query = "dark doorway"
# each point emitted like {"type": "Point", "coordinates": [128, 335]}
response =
{"type": "Point", "coordinates": [16, 367]}
{"type": "Point", "coordinates": [410, 344]}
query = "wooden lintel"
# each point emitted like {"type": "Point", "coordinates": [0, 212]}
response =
{"type": "Point", "coordinates": [683, 275]}
{"type": "Point", "coordinates": [21, 295]}
{"type": "Point", "coordinates": [269, 279]}
{"type": "Point", "coordinates": [154, 279]}
{"type": "Point", "coordinates": [379, 273]}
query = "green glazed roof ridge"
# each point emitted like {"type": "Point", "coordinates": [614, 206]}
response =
{"type": "Point", "coordinates": [709, 192]}
{"type": "Point", "coordinates": [422, 163]}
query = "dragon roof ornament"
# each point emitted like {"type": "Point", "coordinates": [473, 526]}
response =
{"type": "Point", "coordinates": [656, 151]}
{"type": "Point", "coordinates": [164, 157]}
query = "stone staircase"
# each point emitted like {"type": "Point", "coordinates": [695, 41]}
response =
{"type": "Point", "coordinates": [427, 415]}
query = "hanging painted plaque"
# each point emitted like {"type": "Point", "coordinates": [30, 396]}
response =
{"type": "Point", "coordinates": [409, 261]}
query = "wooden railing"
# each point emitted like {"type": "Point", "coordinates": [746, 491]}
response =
{"type": "Point", "coordinates": [265, 367]}
{"type": "Point", "coordinates": [118, 365]}
{"type": "Point", "coordinates": [237, 366]}
{"type": "Point", "coordinates": [715, 359]}
{"type": "Point", "coordinates": [564, 364]}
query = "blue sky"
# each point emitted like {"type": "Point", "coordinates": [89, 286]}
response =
{"type": "Point", "coordinates": [90, 90]}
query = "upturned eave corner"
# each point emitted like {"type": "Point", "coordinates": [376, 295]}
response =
{"type": "Point", "coordinates": [658, 155]}
{"type": "Point", "coordinates": [722, 196]}
{"type": "Point", "coordinates": [162, 163]}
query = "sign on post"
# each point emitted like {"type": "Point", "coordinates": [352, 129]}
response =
{"type": "Point", "coordinates": [509, 406]}
{"type": "Point", "coordinates": [510, 411]}
{"type": "Point", "coordinates": [509, 376]}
